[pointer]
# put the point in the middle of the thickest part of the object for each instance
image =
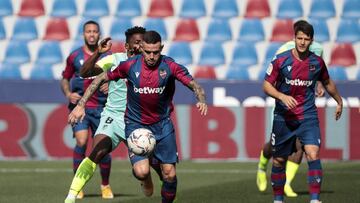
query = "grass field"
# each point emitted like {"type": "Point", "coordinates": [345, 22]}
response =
{"type": "Point", "coordinates": [48, 181]}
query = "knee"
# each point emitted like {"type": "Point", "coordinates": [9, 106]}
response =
{"type": "Point", "coordinates": [312, 156]}
{"type": "Point", "coordinates": [141, 173]}
{"type": "Point", "coordinates": [169, 174]}
{"type": "Point", "coordinates": [81, 142]}
{"type": "Point", "coordinates": [279, 162]}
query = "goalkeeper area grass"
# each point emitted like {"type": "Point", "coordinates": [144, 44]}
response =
{"type": "Point", "coordinates": [49, 181]}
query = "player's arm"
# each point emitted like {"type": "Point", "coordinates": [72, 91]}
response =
{"type": "Point", "coordinates": [78, 113]}
{"type": "Point", "coordinates": [270, 90]}
{"type": "Point", "coordinates": [200, 96]}
{"type": "Point", "coordinates": [89, 68]}
{"type": "Point", "coordinates": [73, 97]}
{"type": "Point", "coordinates": [330, 87]}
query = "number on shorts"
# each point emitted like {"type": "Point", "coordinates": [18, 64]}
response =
{"type": "Point", "coordinates": [109, 120]}
{"type": "Point", "coordinates": [272, 139]}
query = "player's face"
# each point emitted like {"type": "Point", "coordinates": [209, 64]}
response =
{"type": "Point", "coordinates": [302, 42]}
{"type": "Point", "coordinates": [133, 47]}
{"type": "Point", "coordinates": [91, 34]}
{"type": "Point", "coordinates": [151, 53]}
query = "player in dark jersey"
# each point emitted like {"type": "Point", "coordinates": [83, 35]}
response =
{"type": "Point", "coordinates": [73, 87]}
{"type": "Point", "coordinates": [151, 86]}
{"type": "Point", "coordinates": [290, 79]}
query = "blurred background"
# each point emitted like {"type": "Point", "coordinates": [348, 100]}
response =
{"type": "Point", "coordinates": [225, 44]}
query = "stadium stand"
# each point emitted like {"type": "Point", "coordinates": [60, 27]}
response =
{"type": "Point", "coordinates": [289, 9]}
{"type": "Point", "coordinates": [128, 8]}
{"type": "Point", "coordinates": [351, 9]}
{"type": "Point", "coordinates": [6, 8]}
{"type": "Point", "coordinates": [251, 30]}
{"type": "Point", "coordinates": [96, 9]}
{"type": "Point", "coordinates": [244, 55]}
{"type": "Point", "coordinates": [161, 9]}
{"type": "Point", "coordinates": [321, 30]}
{"type": "Point", "coordinates": [2, 30]}
{"type": "Point", "coordinates": [64, 8]}
{"type": "Point", "coordinates": [181, 52]}
{"type": "Point", "coordinates": [17, 52]}
{"type": "Point", "coordinates": [348, 31]}
{"type": "Point", "coordinates": [192, 9]}
{"type": "Point", "coordinates": [187, 30]}
{"type": "Point", "coordinates": [117, 46]}
{"type": "Point", "coordinates": [212, 54]}
{"type": "Point", "coordinates": [343, 55]}
{"type": "Point", "coordinates": [118, 28]}
{"type": "Point", "coordinates": [157, 24]}
{"type": "Point", "coordinates": [322, 9]}
{"type": "Point", "coordinates": [31, 8]}
{"type": "Point", "coordinates": [57, 29]}
{"type": "Point", "coordinates": [205, 72]}
{"type": "Point", "coordinates": [219, 30]}
{"type": "Point", "coordinates": [10, 71]}
{"type": "Point", "coordinates": [25, 29]}
{"type": "Point", "coordinates": [49, 53]}
{"type": "Point", "coordinates": [237, 73]}
{"type": "Point", "coordinates": [257, 9]}
{"type": "Point", "coordinates": [282, 31]}
{"type": "Point", "coordinates": [225, 9]}
{"type": "Point", "coordinates": [41, 71]}
{"type": "Point", "coordinates": [337, 73]}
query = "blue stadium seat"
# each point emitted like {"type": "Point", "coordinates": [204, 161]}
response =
{"type": "Point", "coordinates": [358, 74]}
{"type": "Point", "coordinates": [181, 52]}
{"type": "Point", "coordinates": [219, 30]}
{"type": "Point", "coordinates": [76, 44]}
{"type": "Point", "coordinates": [10, 71]}
{"type": "Point", "coordinates": [41, 71]}
{"type": "Point", "coordinates": [244, 54]}
{"type": "Point", "coordinates": [128, 8]}
{"type": "Point", "coordinates": [251, 30]}
{"type": "Point", "coordinates": [212, 54]}
{"type": "Point", "coordinates": [2, 30]}
{"type": "Point", "coordinates": [225, 9]}
{"type": "Point", "coordinates": [17, 52]}
{"type": "Point", "coordinates": [290, 9]}
{"type": "Point", "coordinates": [337, 73]}
{"type": "Point", "coordinates": [271, 51]}
{"type": "Point", "coordinates": [6, 8]}
{"type": "Point", "coordinates": [64, 8]}
{"type": "Point", "coordinates": [192, 9]}
{"type": "Point", "coordinates": [321, 30]}
{"type": "Point", "coordinates": [25, 29]}
{"type": "Point", "coordinates": [96, 8]}
{"type": "Point", "coordinates": [322, 9]}
{"type": "Point", "coordinates": [49, 53]}
{"type": "Point", "coordinates": [157, 24]}
{"type": "Point", "coordinates": [79, 34]}
{"type": "Point", "coordinates": [348, 31]}
{"type": "Point", "coordinates": [118, 28]}
{"type": "Point", "coordinates": [237, 73]}
{"type": "Point", "coordinates": [351, 9]}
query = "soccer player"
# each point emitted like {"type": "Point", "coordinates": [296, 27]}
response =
{"type": "Point", "coordinates": [294, 160]}
{"type": "Point", "coordinates": [110, 132]}
{"type": "Point", "coordinates": [290, 79]}
{"type": "Point", "coordinates": [73, 87]}
{"type": "Point", "coordinates": [151, 86]}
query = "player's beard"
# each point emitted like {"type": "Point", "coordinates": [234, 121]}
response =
{"type": "Point", "coordinates": [92, 47]}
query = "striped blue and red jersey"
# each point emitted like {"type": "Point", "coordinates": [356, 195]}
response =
{"type": "Point", "coordinates": [150, 89]}
{"type": "Point", "coordinates": [78, 84]}
{"type": "Point", "coordinates": [297, 78]}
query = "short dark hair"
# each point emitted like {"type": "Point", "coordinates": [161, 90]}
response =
{"type": "Point", "coordinates": [305, 27]}
{"type": "Point", "coordinates": [152, 37]}
{"type": "Point", "coordinates": [91, 22]}
{"type": "Point", "coordinates": [134, 30]}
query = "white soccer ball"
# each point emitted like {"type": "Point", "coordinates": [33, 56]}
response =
{"type": "Point", "coordinates": [141, 142]}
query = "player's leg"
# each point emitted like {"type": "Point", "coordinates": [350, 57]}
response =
{"type": "Point", "coordinates": [265, 155]}
{"type": "Point", "coordinates": [292, 166]}
{"type": "Point", "coordinates": [278, 178]}
{"type": "Point", "coordinates": [105, 163]}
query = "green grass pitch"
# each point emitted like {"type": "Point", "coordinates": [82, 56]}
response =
{"type": "Point", "coordinates": [48, 181]}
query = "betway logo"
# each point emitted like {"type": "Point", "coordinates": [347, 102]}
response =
{"type": "Point", "coordinates": [149, 90]}
{"type": "Point", "coordinates": [298, 82]}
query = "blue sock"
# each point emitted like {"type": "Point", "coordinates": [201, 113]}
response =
{"type": "Point", "coordinates": [78, 156]}
{"type": "Point", "coordinates": [105, 167]}
{"type": "Point", "coordinates": [168, 191]}
{"type": "Point", "coordinates": [314, 179]}
{"type": "Point", "coordinates": [278, 179]}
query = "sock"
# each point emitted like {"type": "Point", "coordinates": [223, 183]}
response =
{"type": "Point", "coordinates": [82, 176]}
{"type": "Point", "coordinates": [314, 179]}
{"type": "Point", "coordinates": [263, 161]}
{"type": "Point", "coordinates": [155, 164]}
{"type": "Point", "coordinates": [78, 156]}
{"type": "Point", "coordinates": [168, 191]}
{"type": "Point", "coordinates": [105, 167]}
{"type": "Point", "coordinates": [278, 179]}
{"type": "Point", "coordinates": [291, 170]}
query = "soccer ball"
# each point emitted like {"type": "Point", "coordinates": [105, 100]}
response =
{"type": "Point", "coordinates": [141, 142]}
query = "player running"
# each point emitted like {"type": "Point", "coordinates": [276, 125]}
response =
{"type": "Point", "coordinates": [73, 87]}
{"type": "Point", "coordinates": [151, 86]}
{"type": "Point", "coordinates": [290, 79]}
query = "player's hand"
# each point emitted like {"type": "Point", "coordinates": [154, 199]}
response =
{"type": "Point", "coordinates": [338, 111]}
{"type": "Point", "coordinates": [320, 91]}
{"type": "Point", "coordinates": [104, 45]}
{"type": "Point", "coordinates": [104, 88]}
{"type": "Point", "coordinates": [202, 108]}
{"type": "Point", "coordinates": [76, 115]}
{"type": "Point", "coordinates": [74, 97]}
{"type": "Point", "coordinates": [289, 101]}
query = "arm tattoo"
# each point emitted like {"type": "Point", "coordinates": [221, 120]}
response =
{"type": "Point", "coordinates": [92, 88]}
{"type": "Point", "coordinates": [198, 90]}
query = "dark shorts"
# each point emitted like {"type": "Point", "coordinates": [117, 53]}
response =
{"type": "Point", "coordinates": [284, 134]}
{"type": "Point", "coordinates": [165, 150]}
{"type": "Point", "coordinates": [91, 120]}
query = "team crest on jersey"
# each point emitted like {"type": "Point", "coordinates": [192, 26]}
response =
{"type": "Point", "coordinates": [163, 74]}
{"type": "Point", "coordinates": [289, 68]}
{"type": "Point", "coordinates": [312, 68]}
{"type": "Point", "coordinates": [81, 61]}
{"type": "Point", "coordinates": [269, 69]}
{"type": "Point", "coordinates": [137, 74]}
